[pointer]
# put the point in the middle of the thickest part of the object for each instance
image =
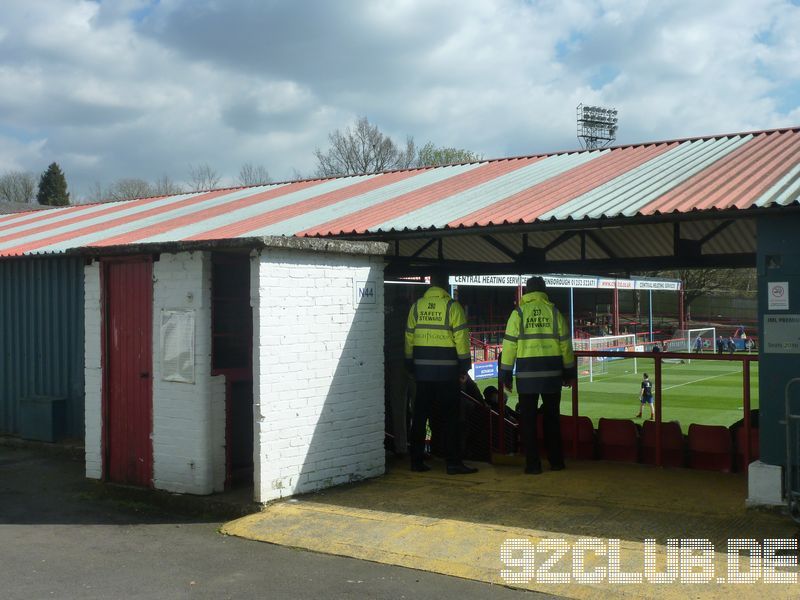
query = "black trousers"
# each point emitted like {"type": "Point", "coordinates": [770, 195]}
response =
{"type": "Point", "coordinates": [445, 394]}
{"type": "Point", "coordinates": [528, 408]}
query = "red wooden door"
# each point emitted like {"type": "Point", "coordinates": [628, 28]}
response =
{"type": "Point", "coordinates": [128, 354]}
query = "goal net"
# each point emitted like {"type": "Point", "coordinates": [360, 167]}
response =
{"type": "Point", "coordinates": [598, 365]}
{"type": "Point", "coordinates": [703, 339]}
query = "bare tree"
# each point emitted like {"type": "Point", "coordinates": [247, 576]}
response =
{"type": "Point", "coordinates": [165, 186]}
{"type": "Point", "coordinates": [96, 193]}
{"type": "Point", "coordinates": [18, 186]}
{"type": "Point", "coordinates": [251, 174]}
{"type": "Point", "coordinates": [432, 156]}
{"type": "Point", "coordinates": [128, 189]}
{"type": "Point", "coordinates": [363, 148]}
{"type": "Point", "coordinates": [702, 282]}
{"type": "Point", "coordinates": [203, 177]}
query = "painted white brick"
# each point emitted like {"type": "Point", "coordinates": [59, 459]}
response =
{"type": "Point", "coordinates": [93, 375]}
{"type": "Point", "coordinates": [188, 419]}
{"type": "Point", "coordinates": [311, 430]}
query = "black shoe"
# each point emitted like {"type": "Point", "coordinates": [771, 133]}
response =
{"type": "Point", "coordinates": [533, 470]}
{"type": "Point", "coordinates": [420, 467]}
{"type": "Point", "coordinates": [461, 469]}
{"type": "Point", "coordinates": [558, 467]}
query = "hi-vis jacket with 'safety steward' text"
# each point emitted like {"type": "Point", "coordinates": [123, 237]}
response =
{"type": "Point", "coordinates": [538, 338]}
{"type": "Point", "coordinates": [437, 338]}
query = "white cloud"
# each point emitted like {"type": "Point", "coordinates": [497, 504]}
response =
{"type": "Point", "coordinates": [139, 88]}
{"type": "Point", "coordinates": [19, 156]}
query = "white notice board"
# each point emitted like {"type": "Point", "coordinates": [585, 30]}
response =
{"type": "Point", "coordinates": [177, 346]}
{"type": "Point", "coordinates": [781, 334]}
{"type": "Point", "coordinates": [778, 295]}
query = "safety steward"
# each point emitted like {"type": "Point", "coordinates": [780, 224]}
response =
{"type": "Point", "coordinates": [437, 354]}
{"type": "Point", "coordinates": [538, 339]}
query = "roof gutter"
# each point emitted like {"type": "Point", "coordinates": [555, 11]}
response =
{"type": "Point", "coordinates": [333, 246]}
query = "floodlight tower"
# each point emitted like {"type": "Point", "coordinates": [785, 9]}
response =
{"type": "Point", "coordinates": [597, 126]}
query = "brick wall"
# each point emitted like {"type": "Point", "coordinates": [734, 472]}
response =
{"type": "Point", "coordinates": [318, 371]}
{"type": "Point", "coordinates": [93, 374]}
{"type": "Point", "coordinates": [188, 419]}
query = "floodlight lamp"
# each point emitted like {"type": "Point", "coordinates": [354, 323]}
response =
{"type": "Point", "coordinates": [597, 125]}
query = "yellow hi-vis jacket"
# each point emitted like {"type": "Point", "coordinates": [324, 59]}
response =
{"type": "Point", "coordinates": [538, 338]}
{"type": "Point", "coordinates": [437, 338]}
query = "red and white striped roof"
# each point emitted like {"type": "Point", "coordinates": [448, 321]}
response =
{"type": "Point", "coordinates": [738, 171]}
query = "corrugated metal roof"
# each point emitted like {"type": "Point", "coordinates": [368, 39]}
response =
{"type": "Point", "coordinates": [736, 171]}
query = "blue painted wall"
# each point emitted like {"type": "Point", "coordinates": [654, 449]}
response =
{"type": "Point", "coordinates": [778, 261]}
{"type": "Point", "coordinates": [41, 337]}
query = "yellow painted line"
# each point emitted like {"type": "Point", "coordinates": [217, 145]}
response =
{"type": "Point", "coordinates": [457, 525]}
{"type": "Point", "coordinates": [456, 548]}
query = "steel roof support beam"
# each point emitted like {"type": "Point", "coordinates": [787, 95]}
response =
{"type": "Point", "coordinates": [424, 247]}
{"type": "Point", "coordinates": [408, 266]}
{"type": "Point", "coordinates": [601, 244]}
{"type": "Point", "coordinates": [500, 246]}
{"type": "Point", "coordinates": [716, 231]}
{"type": "Point", "coordinates": [564, 237]}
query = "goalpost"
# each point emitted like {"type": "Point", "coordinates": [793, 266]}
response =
{"type": "Point", "coordinates": [703, 339]}
{"type": "Point", "coordinates": [599, 364]}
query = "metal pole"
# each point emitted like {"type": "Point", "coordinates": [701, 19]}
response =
{"type": "Point", "coordinates": [501, 408]}
{"type": "Point", "coordinates": [616, 311]}
{"type": "Point", "coordinates": [651, 315]}
{"type": "Point", "coordinates": [657, 375]}
{"type": "Point", "coordinates": [571, 313]}
{"type": "Point", "coordinates": [681, 309]}
{"type": "Point", "coordinates": [746, 408]}
{"type": "Point", "coordinates": [575, 419]}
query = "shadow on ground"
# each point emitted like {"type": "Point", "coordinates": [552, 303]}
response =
{"type": "Point", "coordinates": [49, 487]}
{"type": "Point", "coordinates": [590, 498]}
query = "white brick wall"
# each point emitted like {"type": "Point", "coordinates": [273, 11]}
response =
{"type": "Point", "coordinates": [93, 374]}
{"type": "Point", "coordinates": [318, 371]}
{"type": "Point", "coordinates": [188, 419]}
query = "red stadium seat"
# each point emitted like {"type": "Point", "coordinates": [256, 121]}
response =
{"type": "Point", "coordinates": [738, 438]}
{"type": "Point", "coordinates": [586, 445]}
{"type": "Point", "coordinates": [673, 450]}
{"type": "Point", "coordinates": [710, 448]}
{"type": "Point", "coordinates": [617, 440]}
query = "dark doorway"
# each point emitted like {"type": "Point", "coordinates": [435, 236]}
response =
{"type": "Point", "coordinates": [128, 360]}
{"type": "Point", "coordinates": [232, 356]}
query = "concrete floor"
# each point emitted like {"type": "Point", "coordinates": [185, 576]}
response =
{"type": "Point", "coordinates": [64, 537]}
{"type": "Point", "coordinates": [457, 525]}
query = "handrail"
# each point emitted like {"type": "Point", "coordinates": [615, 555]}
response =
{"type": "Point", "coordinates": [657, 357]}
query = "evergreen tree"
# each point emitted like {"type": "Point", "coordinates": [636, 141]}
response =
{"type": "Point", "coordinates": [53, 187]}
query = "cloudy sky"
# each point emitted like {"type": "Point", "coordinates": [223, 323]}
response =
{"type": "Point", "coordinates": [142, 88]}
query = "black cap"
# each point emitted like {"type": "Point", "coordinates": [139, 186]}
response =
{"type": "Point", "coordinates": [535, 284]}
{"type": "Point", "coordinates": [440, 278]}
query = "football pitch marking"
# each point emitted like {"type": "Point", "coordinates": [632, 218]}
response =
{"type": "Point", "coordinates": [605, 377]}
{"type": "Point", "coordinates": [677, 385]}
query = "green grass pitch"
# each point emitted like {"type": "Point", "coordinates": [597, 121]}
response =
{"type": "Point", "coordinates": [703, 392]}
